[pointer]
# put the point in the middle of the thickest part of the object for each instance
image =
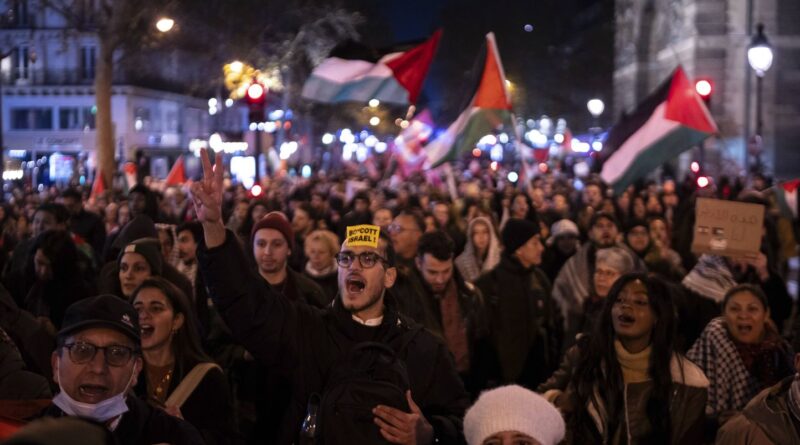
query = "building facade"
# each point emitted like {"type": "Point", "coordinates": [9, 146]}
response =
{"type": "Point", "coordinates": [710, 39]}
{"type": "Point", "coordinates": [48, 103]}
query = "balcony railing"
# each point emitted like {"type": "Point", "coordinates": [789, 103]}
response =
{"type": "Point", "coordinates": [64, 77]}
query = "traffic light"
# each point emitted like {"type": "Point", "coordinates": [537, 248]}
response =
{"type": "Point", "coordinates": [256, 98]}
{"type": "Point", "coordinates": [704, 88]}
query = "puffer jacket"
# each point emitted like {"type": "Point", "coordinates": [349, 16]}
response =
{"type": "Point", "coordinates": [766, 420]}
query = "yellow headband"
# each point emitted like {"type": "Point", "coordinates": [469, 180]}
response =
{"type": "Point", "coordinates": [365, 235]}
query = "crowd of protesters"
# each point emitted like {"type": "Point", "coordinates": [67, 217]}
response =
{"type": "Point", "coordinates": [488, 312]}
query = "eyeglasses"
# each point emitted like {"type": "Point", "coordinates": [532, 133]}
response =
{"type": "Point", "coordinates": [366, 259]}
{"type": "Point", "coordinates": [114, 355]}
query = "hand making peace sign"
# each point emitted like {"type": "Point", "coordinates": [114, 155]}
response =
{"type": "Point", "coordinates": [207, 197]}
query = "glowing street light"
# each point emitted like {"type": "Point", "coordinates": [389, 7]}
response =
{"type": "Point", "coordinates": [596, 107]}
{"type": "Point", "coordinates": [374, 103]}
{"type": "Point", "coordinates": [236, 66]}
{"type": "Point", "coordinates": [165, 24]}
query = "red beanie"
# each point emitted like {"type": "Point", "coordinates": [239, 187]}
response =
{"type": "Point", "coordinates": [277, 221]}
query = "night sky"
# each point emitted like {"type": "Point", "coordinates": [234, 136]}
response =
{"type": "Point", "coordinates": [564, 61]}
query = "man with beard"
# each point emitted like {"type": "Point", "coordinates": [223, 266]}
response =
{"type": "Point", "coordinates": [573, 283]}
{"type": "Point", "coordinates": [458, 311]}
{"type": "Point", "coordinates": [525, 322]}
{"type": "Point", "coordinates": [272, 242]}
{"type": "Point", "coordinates": [306, 344]}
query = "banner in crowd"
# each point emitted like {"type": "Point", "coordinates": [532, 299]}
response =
{"type": "Point", "coordinates": [489, 108]}
{"type": "Point", "coordinates": [727, 228]}
{"type": "Point", "coordinates": [670, 121]}
{"type": "Point", "coordinates": [396, 78]}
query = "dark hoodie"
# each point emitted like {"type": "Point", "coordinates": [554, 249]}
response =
{"type": "Point", "coordinates": [526, 324]}
{"type": "Point", "coordinates": [139, 227]}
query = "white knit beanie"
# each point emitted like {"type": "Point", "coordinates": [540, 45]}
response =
{"type": "Point", "coordinates": [513, 408]}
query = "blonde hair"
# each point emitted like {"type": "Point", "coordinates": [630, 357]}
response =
{"type": "Point", "coordinates": [326, 237]}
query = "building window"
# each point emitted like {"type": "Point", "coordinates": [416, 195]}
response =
{"type": "Point", "coordinates": [88, 62]}
{"type": "Point", "coordinates": [31, 118]}
{"type": "Point", "coordinates": [21, 17]}
{"type": "Point", "coordinates": [76, 119]}
{"type": "Point", "coordinates": [21, 60]}
{"type": "Point", "coordinates": [141, 119]}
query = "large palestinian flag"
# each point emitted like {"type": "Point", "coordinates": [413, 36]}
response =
{"type": "Point", "coordinates": [671, 120]}
{"type": "Point", "coordinates": [396, 78]}
{"type": "Point", "coordinates": [489, 108]}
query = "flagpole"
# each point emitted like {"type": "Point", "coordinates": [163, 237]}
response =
{"type": "Point", "coordinates": [451, 181]}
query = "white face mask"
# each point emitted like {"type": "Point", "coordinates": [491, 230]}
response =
{"type": "Point", "coordinates": [99, 412]}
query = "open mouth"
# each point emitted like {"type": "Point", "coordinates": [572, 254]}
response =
{"type": "Point", "coordinates": [355, 285]}
{"type": "Point", "coordinates": [744, 328]}
{"type": "Point", "coordinates": [93, 391]}
{"type": "Point", "coordinates": [626, 320]}
{"type": "Point", "coordinates": [147, 330]}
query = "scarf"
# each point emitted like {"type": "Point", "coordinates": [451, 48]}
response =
{"type": "Point", "coordinates": [731, 385]}
{"type": "Point", "coordinates": [766, 360]}
{"type": "Point", "coordinates": [469, 265]}
{"type": "Point", "coordinates": [710, 278]}
{"type": "Point", "coordinates": [454, 327]}
{"type": "Point", "coordinates": [320, 273]}
{"type": "Point", "coordinates": [635, 366]}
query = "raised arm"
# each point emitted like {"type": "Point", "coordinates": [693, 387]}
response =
{"type": "Point", "coordinates": [207, 197]}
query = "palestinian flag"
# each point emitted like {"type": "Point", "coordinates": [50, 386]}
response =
{"type": "Point", "coordinates": [787, 197]}
{"type": "Point", "coordinates": [396, 78]}
{"type": "Point", "coordinates": [671, 120]}
{"type": "Point", "coordinates": [177, 175]}
{"type": "Point", "coordinates": [489, 108]}
{"type": "Point", "coordinates": [98, 187]}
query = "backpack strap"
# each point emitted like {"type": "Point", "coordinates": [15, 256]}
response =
{"type": "Point", "coordinates": [189, 384]}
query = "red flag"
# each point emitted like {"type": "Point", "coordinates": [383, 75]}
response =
{"type": "Point", "coordinates": [98, 187]}
{"type": "Point", "coordinates": [411, 68]}
{"type": "Point", "coordinates": [177, 176]}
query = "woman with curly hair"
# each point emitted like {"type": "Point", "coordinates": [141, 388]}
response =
{"type": "Point", "coordinates": [626, 382]}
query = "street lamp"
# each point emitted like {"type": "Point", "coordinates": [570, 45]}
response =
{"type": "Point", "coordinates": [596, 107]}
{"type": "Point", "coordinates": [165, 24]}
{"type": "Point", "coordinates": [759, 55]}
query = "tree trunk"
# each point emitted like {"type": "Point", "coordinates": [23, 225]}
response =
{"type": "Point", "coordinates": [103, 78]}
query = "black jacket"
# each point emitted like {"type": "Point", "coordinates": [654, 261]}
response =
{"type": "Point", "coordinates": [484, 367]}
{"type": "Point", "coordinates": [208, 408]}
{"type": "Point", "coordinates": [526, 324]}
{"type": "Point", "coordinates": [143, 425]}
{"type": "Point", "coordinates": [305, 342]}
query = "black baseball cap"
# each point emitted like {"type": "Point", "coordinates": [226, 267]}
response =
{"type": "Point", "coordinates": [102, 311]}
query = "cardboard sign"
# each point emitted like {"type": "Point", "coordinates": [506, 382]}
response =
{"type": "Point", "coordinates": [727, 228]}
{"type": "Point", "coordinates": [365, 235]}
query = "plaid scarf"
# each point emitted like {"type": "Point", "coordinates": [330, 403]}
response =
{"type": "Point", "coordinates": [768, 360]}
{"type": "Point", "coordinates": [710, 278]}
{"type": "Point", "coordinates": [732, 386]}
